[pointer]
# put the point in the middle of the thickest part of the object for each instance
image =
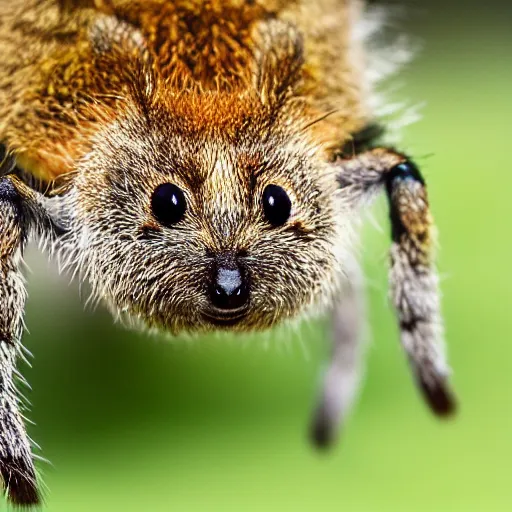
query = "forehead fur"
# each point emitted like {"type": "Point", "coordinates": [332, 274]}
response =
{"type": "Point", "coordinates": [222, 170]}
{"type": "Point", "coordinates": [195, 145]}
{"type": "Point", "coordinates": [230, 116]}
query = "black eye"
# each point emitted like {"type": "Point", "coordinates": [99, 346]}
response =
{"type": "Point", "coordinates": [276, 205]}
{"type": "Point", "coordinates": [168, 204]}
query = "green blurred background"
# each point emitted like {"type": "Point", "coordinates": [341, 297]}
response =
{"type": "Point", "coordinates": [130, 423]}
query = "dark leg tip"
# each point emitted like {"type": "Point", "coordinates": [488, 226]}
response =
{"type": "Point", "coordinates": [323, 433]}
{"type": "Point", "coordinates": [440, 398]}
{"type": "Point", "coordinates": [20, 483]}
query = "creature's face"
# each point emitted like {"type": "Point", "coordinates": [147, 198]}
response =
{"type": "Point", "coordinates": [195, 232]}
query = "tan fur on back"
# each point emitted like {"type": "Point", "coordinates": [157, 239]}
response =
{"type": "Point", "coordinates": [69, 66]}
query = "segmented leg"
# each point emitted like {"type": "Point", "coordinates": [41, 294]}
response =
{"type": "Point", "coordinates": [413, 278]}
{"type": "Point", "coordinates": [20, 214]}
{"type": "Point", "coordinates": [341, 380]}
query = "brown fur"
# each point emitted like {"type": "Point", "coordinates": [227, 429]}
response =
{"type": "Point", "coordinates": [107, 101]}
{"type": "Point", "coordinates": [59, 86]}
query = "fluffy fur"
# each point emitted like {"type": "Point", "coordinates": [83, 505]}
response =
{"type": "Point", "coordinates": [103, 101]}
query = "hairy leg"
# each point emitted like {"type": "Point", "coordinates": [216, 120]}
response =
{"type": "Point", "coordinates": [341, 380]}
{"type": "Point", "coordinates": [413, 278]}
{"type": "Point", "coordinates": [21, 212]}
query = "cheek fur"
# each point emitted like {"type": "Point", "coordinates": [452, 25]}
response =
{"type": "Point", "coordinates": [289, 277]}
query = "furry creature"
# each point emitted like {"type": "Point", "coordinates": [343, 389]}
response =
{"type": "Point", "coordinates": [202, 164]}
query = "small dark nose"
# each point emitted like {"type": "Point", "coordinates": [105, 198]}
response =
{"type": "Point", "coordinates": [230, 287]}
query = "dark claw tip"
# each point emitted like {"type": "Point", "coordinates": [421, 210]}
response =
{"type": "Point", "coordinates": [440, 398]}
{"type": "Point", "coordinates": [322, 434]}
{"type": "Point", "coordinates": [20, 483]}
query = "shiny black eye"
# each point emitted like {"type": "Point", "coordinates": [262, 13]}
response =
{"type": "Point", "coordinates": [276, 205]}
{"type": "Point", "coordinates": [168, 204]}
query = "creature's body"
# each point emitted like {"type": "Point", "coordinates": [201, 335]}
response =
{"type": "Point", "coordinates": [197, 161]}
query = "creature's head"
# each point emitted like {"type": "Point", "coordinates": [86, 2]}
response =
{"type": "Point", "coordinates": [200, 210]}
{"type": "Point", "coordinates": [230, 223]}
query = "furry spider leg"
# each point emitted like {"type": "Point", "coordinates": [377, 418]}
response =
{"type": "Point", "coordinates": [413, 279]}
{"type": "Point", "coordinates": [22, 214]}
{"type": "Point", "coordinates": [413, 288]}
{"type": "Point", "coordinates": [343, 375]}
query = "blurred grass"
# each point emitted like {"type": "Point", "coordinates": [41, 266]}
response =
{"type": "Point", "coordinates": [131, 424]}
